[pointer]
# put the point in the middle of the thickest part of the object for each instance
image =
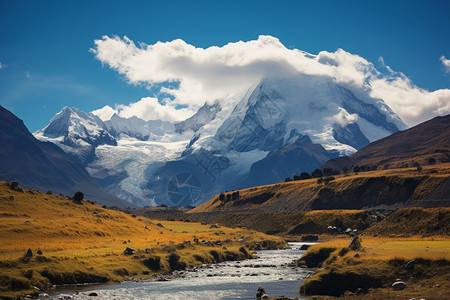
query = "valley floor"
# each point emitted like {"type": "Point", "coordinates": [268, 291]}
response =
{"type": "Point", "coordinates": [48, 240]}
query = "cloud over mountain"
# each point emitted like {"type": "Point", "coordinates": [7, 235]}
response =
{"type": "Point", "coordinates": [208, 74]}
{"type": "Point", "coordinates": [148, 108]}
{"type": "Point", "coordinates": [446, 63]}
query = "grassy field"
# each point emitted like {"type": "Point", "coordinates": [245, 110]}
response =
{"type": "Point", "coordinates": [376, 265]}
{"type": "Point", "coordinates": [85, 243]}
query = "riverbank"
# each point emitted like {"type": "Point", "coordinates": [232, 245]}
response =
{"type": "Point", "coordinates": [271, 269]}
{"type": "Point", "coordinates": [48, 240]}
{"type": "Point", "coordinates": [379, 268]}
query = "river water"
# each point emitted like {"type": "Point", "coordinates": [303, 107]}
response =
{"type": "Point", "coordinates": [227, 280]}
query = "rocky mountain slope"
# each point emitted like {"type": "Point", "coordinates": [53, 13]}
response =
{"type": "Point", "coordinates": [281, 126]}
{"type": "Point", "coordinates": [425, 144]}
{"type": "Point", "coordinates": [42, 165]}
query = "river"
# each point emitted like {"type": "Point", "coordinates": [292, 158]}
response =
{"type": "Point", "coordinates": [227, 280]}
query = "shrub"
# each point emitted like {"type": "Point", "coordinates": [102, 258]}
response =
{"type": "Point", "coordinates": [304, 175]}
{"type": "Point", "coordinates": [317, 173]}
{"type": "Point", "coordinates": [153, 263]}
{"type": "Point", "coordinates": [327, 171]}
{"type": "Point", "coordinates": [78, 197]}
{"type": "Point", "coordinates": [314, 257]}
{"type": "Point", "coordinates": [174, 262]}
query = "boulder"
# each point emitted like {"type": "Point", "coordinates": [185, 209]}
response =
{"type": "Point", "coordinates": [305, 247]}
{"type": "Point", "coordinates": [399, 285]}
{"type": "Point", "coordinates": [29, 253]}
{"type": "Point", "coordinates": [355, 243]}
{"type": "Point", "coordinates": [129, 251]}
{"type": "Point", "coordinates": [410, 265]}
{"type": "Point", "coordinates": [260, 293]}
{"type": "Point", "coordinates": [213, 226]}
{"type": "Point", "coordinates": [93, 294]}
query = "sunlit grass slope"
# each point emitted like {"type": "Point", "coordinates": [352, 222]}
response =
{"type": "Point", "coordinates": [393, 187]}
{"type": "Point", "coordinates": [85, 242]}
{"type": "Point", "coordinates": [414, 221]}
{"type": "Point", "coordinates": [377, 264]}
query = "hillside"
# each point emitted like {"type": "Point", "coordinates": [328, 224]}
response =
{"type": "Point", "coordinates": [366, 190]}
{"type": "Point", "coordinates": [425, 144]}
{"type": "Point", "coordinates": [414, 221]}
{"type": "Point", "coordinates": [84, 243]}
{"type": "Point", "coordinates": [42, 165]}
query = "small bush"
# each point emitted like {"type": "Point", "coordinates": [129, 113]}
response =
{"type": "Point", "coordinates": [78, 197]}
{"type": "Point", "coordinates": [121, 272]}
{"type": "Point", "coordinates": [314, 257]}
{"type": "Point", "coordinates": [174, 262]}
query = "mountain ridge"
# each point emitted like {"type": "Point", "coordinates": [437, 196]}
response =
{"type": "Point", "coordinates": [425, 143]}
{"type": "Point", "coordinates": [43, 165]}
{"type": "Point", "coordinates": [224, 144]}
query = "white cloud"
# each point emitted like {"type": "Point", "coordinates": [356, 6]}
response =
{"type": "Point", "coordinates": [105, 113]}
{"type": "Point", "coordinates": [2, 66]}
{"type": "Point", "coordinates": [344, 118]}
{"type": "Point", "coordinates": [147, 108]}
{"type": "Point", "coordinates": [446, 63]}
{"type": "Point", "coordinates": [208, 74]}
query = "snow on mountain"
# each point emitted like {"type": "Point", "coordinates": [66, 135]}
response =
{"type": "Point", "coordinates": [77, 133]}
{"type": "Point", "coordinates": [116, 152]}
{"type": "Point", "coordinates": [289, 125]}
{"type": "Point", "coordinates": [280, 126]}
{"type": "Point", "coordinates": [204, 115]}
{"type": "Point", "coordinates": [123, 169]}
{"type": "Point", "coordinates": [137, 128]}
{"type": "Point", "coordinates": [309, 105]}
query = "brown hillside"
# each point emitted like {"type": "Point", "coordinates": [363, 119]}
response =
{"type": "Point", "coordinates": [425, 144]}
{"type": "Point", "coordinates": [384, 188]}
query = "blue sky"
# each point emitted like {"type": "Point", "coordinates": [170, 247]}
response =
{"type": "Point", "coordinates": [46, 63]}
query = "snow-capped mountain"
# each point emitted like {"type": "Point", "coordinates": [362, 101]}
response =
{"type": "Point", "coordinates": [77, 133]}
{"type": "Point", "coordinates": [277, 128]}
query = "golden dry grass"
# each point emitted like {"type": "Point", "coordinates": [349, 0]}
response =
{"type": "Point", "coordinates": [300, 195]}
{"type": "Point", "coordinates": [378, 263]}
{"type": "Point", "coordinates": [89, 240]}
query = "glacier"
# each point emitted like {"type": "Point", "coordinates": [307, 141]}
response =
{"type": "Point", "coordinates": [278, 126]}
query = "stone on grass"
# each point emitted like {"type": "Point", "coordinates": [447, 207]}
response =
{"type": "Point", "coordinates": [129, 251]}
{"type": "Point", "coordinates": [399, 285]}
{"type": "Point", "coordinates": [29, 253]}
{"type": "Point", "coordinates": [410, 265]}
